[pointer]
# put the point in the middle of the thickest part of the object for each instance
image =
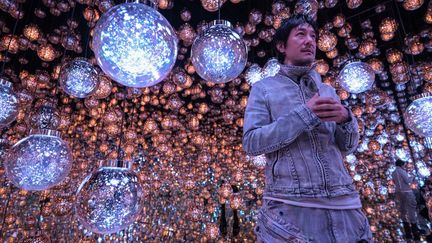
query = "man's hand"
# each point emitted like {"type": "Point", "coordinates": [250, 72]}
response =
{"type": "Point", "coordinates": [328, 109]}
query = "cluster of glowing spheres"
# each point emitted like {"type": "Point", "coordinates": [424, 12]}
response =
{"type": "Point", "coordinates": [356, 77]}
{"type": "Point", "coordinates": [39, 161]}
{"type": "Point", "coordinates": [418, 115]}
{"type": "Point", "coordinates": [79, 78]}
{"type": "Point", "coordinates": [255, 73]}
{"type": "Point", "coordinates": [219, 54]}
{"type": "Point", "coordinates": [8, 103]}
{"type": "Point", "coordinates": [109, 200]}
{"type": "Point", "coordinates": [135, 45]}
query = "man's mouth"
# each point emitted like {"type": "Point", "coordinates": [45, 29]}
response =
{"type": "Point", "coordinates": [308, 51]}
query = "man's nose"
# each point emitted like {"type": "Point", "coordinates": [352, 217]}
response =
{"type": "Point", "coordinates": [310, 39]}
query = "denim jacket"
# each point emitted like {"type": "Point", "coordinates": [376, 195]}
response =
{"type": "Point", "coordinates": [304, 154]}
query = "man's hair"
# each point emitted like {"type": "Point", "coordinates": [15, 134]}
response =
{"type": "Point", "coordinates": [399, 163]}
{"type": "Point", "coordinates": [283, 32]}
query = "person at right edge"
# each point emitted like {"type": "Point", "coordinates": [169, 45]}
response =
{"type": "Point", "coordinates": [303, 129]}
{"type": "Point", "coordinates": [406, 200]}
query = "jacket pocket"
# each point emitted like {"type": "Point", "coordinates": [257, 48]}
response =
{"type": "Point", "coordinates": [275, 161]}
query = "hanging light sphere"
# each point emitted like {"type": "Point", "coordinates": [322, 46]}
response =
{"type": "Point", "coordinates": [8, 103]}
{"type": "Point", "coordinates": [44, 117]}
{"type": "Point", "coordinates": [109, 200]}
{"type": "Point", "coordinates": [219, 54]}
{"type": "Point", "coordinates": [356, 77]}
{"type": "Point", "coordinates": [271, 68]}
{"type": "Point", "coordinates": [39, 161]}
{"type": "Point", "coordinates": [327, 41]}
{"type": "Point", "coordinates": [418, 115]}
{"type": "Point", "coordinates": [411, 5]}
{"type": "Point", "coordinates": [307, 7]}
{"type": "Point", "coordinates": [212, 5]}
{"type": "Point", "coordinates": [79, 78]}
{"type": "Point", "coordinates": [135, 45]}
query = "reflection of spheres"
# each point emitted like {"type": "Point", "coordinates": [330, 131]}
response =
{"type": "Point", "coordinates": [39, 161]}
{"type": "Point", "coordinates": [78, 78]}
{"type": "Point", "coordinates": [8, 103]}
{"type": "Point", "coordinates": [135, 45]}
{"type": "Point", "coordinates": [418, 115]}
{"type": "Point", "coordinates": [356, 77]}
{"type": "Point", "coordinates": [219, 53]}
{"type": "Point", "coordinates": [109, 200]}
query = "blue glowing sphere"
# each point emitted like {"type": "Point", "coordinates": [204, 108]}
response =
{"type": "Point", "coordinates": [109, 200]}
{"type": "Point", "coordinates": [135, 45]}
{"type": "Point", "coordinates": [219, 54]}
{"type": "Point", "coordinates": [8, 103]}
{"type": "Point", "coordinates": [79, 78]}
{"type": "Point", "coordinates": [418, 115]}
{"type": "Point", "coordinates": [356, 77]}
{"type": "Point", "coordinates": [39, 161]}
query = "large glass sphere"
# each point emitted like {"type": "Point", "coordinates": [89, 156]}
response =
{"type": "Point", "coordinates": [109, 200]}
{"type": "Point", "coordinates": [356, 77]}
{"type": "Point", "coordinates": [8, 103]}
{"type": "Point", "coordinates": [79, 78]}
{"type": "Point", "coordinates": [39, 161]}
{"type": "Point", "coordinates": [418, 115]}
{"type": "Point", "coordinates": [135, 45]}
{"type": "Point", "coordinates": [219, 54]}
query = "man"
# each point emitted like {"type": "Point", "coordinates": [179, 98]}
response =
{"type": "Point", "coordinates": [407, 201]}
{"type": "Point", "coordinates": [300, 125]}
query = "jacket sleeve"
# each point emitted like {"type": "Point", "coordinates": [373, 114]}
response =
{"type": "Point", "coordinates": [262, 135]}
{"type": "Point", "coordinates": [407, 179]}
{"type": "Point", "coordinates": [347, 134]}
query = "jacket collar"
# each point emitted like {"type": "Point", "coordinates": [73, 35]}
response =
{"type": "Point", "coordinates": [295, 72]}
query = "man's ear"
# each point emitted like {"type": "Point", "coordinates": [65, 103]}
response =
{"type": "Point", "coordinates": [280, 46]}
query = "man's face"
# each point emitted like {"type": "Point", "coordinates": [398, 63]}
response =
{"type": "Point", "coordinates": [300, 47]}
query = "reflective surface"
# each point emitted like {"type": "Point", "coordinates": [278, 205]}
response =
{"type": "Point", "coordinates": [79, 78]}
{"type": "Point", "coordinates": [135, 45]}
{"type": "Point", "coordinates": [356, 77]}
{"type": "Point", "coordinates": [8, 103]}
{"type": "Point", "coordinates": [219, 53]}
{"type": "Point", "coordinates": [109, 200]}
{"type": "Point", "coordinates": [418, 116]}
{"type": "Point", "coordinates": [38, 162]}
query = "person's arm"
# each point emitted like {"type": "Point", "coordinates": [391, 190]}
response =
{"type": "Point", "coordinates": [406, 178]}
{"type": "Point", "coordinates": [262, 135]}
{"type": "Point", "coordinates": [347, 134]}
